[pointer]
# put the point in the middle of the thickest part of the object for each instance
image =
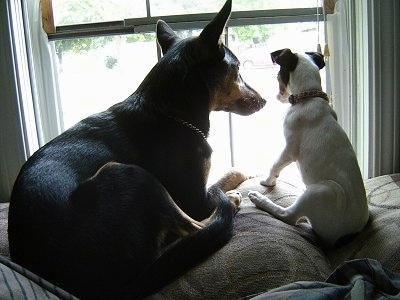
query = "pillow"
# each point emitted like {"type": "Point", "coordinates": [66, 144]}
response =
{"type": "Point", "coordinates": [264, 253]}
{"type": "Point", "coordinates": [380, 240]}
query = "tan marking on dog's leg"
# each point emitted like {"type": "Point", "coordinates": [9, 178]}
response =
{"type": "Point", "coordinates": [231, 180]}
{"type": "Point", "coordinates": [181, 213]}
{"type": "Point", "coordinates": [207, 221]}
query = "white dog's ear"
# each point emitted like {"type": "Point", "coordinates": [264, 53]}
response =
{"type": "Point", "coordinates": [285, 58]}
{"type": "Point", "coordinates": [276, 54]}
{"type": "Point", "coordinates": [318, 59]}
{"type": "Point", "coordinates": [288, 62]}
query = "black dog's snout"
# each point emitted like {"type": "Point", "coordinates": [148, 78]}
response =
{"type": "Point", "coordinates": [259, 102]}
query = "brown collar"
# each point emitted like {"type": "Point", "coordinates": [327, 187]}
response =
{"type": "Point", "coordinates": [294, 99]}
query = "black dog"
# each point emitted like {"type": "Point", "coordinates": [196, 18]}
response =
{"type": "Point", "coordinates": [102, 210]}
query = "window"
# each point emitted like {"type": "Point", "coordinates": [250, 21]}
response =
{"type": "Point", "coordinates": [97, 70]}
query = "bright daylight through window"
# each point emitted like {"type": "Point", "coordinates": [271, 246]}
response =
{"type": "Point", "coordinates": [95, 72]}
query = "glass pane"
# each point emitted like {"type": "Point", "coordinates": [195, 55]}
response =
{"type": "Point", "coordinates": [95, 73]}
{"type": "Point", "coordinates": [178, 7]}
{"type": "Point", "coordinates": [219, 141]}
{"type": "Point", "coordinates": [272, 4]}
{"type": "Point", "coordinates": [68, 12]}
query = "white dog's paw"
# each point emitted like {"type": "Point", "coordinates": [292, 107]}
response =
{"type": "Point", "coordinates": [270, 181]}
{"type": "Point", "coordinates": [256, 197]}
{"type": "Point", "coordinates": [235, 197]}
{"type": "Point", "coordinates": [260, 200]}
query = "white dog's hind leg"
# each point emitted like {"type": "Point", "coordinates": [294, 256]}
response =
{"type": "Point", "coordinates": [285, 214]}
{"type": "Point", "coordinates": [325, 206]}
{"type": "Point", "coordinates": [322, 204]}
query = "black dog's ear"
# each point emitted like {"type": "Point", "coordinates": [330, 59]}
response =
{"type": "Point", "coordinates": [212, 32]}
{"type": "Point", "coordinates": [166, 37]}
{"type": "Point", "coordinates": [285, 58]}
{"type": "Point", "coordinates": [318, 59]}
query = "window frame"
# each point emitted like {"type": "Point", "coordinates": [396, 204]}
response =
{"type": "Point", "coordinates": [181, 22]}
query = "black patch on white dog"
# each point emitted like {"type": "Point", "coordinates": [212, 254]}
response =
{"type": "Point", "coordinates": [318, 59]}
{"type": "Point", "coordinates": [288, 62]}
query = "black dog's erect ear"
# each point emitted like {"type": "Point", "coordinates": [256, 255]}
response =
{"type": "Point", "coordinates": [166, 37]}
{"type": "Point", "coordinates": [318, 59]}
{"type": "Point", "coordinates": [212, 32]}
{"type": "Point", "coordinates": [285, 58]}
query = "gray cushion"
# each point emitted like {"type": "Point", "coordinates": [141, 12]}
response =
{"type": "Point", "coordinates": [266, 253]}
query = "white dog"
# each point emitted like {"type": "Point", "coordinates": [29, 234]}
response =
{"type": "Point", "coordinates": [334, 202]}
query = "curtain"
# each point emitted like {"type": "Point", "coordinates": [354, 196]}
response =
{"type": "Point", "coordinates": [16, 98]}
{"type": "Point", "coordinates": [364, 37]}
{"type": "Point", "coordinates": [384, 86]}
{"type": "Point", "coordinates": [29, 114]}
{"type": "Point", "coordinates": [341, 37]}
{"type": "Point", "coordinates": [340, 40]}
{"type": "Point", "coordinates": [44, 79]}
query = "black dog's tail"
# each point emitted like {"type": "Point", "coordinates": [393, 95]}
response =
{"type": "Point", "coordinates": [186, 253]}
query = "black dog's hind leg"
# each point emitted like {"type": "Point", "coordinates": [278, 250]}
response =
{"type": "Point", "coordinates": [129, 220]}
{"type": "Point", "coordinates": [120, 190]}
{"type": "Point", "coordinates": [183, 242]}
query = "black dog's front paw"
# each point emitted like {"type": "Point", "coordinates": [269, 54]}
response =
{"type": "Point", "coordinates": [235, 197]}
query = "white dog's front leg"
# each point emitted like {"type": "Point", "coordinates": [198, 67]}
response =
{"type": "Point", "coordinates": [283, 161]}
